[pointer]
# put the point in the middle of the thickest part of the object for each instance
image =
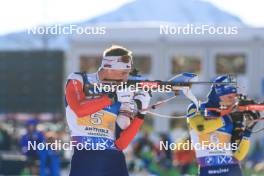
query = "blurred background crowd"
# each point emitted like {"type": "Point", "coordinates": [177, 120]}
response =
{"type": "Point", "coordinates": [144, 156]}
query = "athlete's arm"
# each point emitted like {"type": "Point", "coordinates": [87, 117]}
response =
{"type": "Point", "coordinates": [243, 149]}
{"type": "Point", "coordinates": [75, 98]}
{"type": "Point", "coordinates": [244, 145]}
{"type": "Point", "coordinates": [127, 135]}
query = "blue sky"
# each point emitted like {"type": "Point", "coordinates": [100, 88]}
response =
{"type": "Point", "coordinates": [17, 15]}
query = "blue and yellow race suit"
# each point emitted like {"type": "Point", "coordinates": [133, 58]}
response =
{"type": "Point", "coordinates": [215, 154]}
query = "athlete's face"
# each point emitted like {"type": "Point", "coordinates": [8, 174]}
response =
{"type": "Point", "coordinates": [228, 100]}
{"type": "Point", "coordinates": [115, 75]}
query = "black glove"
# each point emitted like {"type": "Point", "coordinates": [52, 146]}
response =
{"type": "Point", "coordinates": [139, 105]}
{"type": "Point", "coordinates": [250, 123]}
{"type": "Point", "coordinates": [251, 116]}
{"type": "Point", "coordinates": [238, 126]}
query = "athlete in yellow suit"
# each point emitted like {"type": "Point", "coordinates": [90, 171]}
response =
{"type": "Point", "coordinates": [216, 153]}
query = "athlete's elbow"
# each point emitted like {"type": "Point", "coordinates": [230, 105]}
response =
{"type": "Point", "coordinates": [79, 114]}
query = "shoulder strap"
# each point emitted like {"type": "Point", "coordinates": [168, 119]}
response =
{"type": "Point", "coordinates": [85, 82]}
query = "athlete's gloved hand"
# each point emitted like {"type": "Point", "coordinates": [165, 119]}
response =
{"type": "Point", "coordinates": [127, 109]}
{"type": "Point", "coordinates": [126, 114]}
{"type": "Point", "coordinates": [238, 126]}
{"type": "Point", "coordinates": [237, 119]}
{"type": "Point", "coordinates": [142, 100]}
{"type": "Point", "coordinates": [251, 116]}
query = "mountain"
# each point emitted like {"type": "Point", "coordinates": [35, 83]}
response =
{"type": "Point", "coordinates": [143, 11]}
{"type": "Point", "coordinates": [177, 11]}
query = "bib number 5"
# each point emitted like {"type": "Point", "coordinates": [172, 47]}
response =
{"type": "Point", "coordinates": [96, 118]}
